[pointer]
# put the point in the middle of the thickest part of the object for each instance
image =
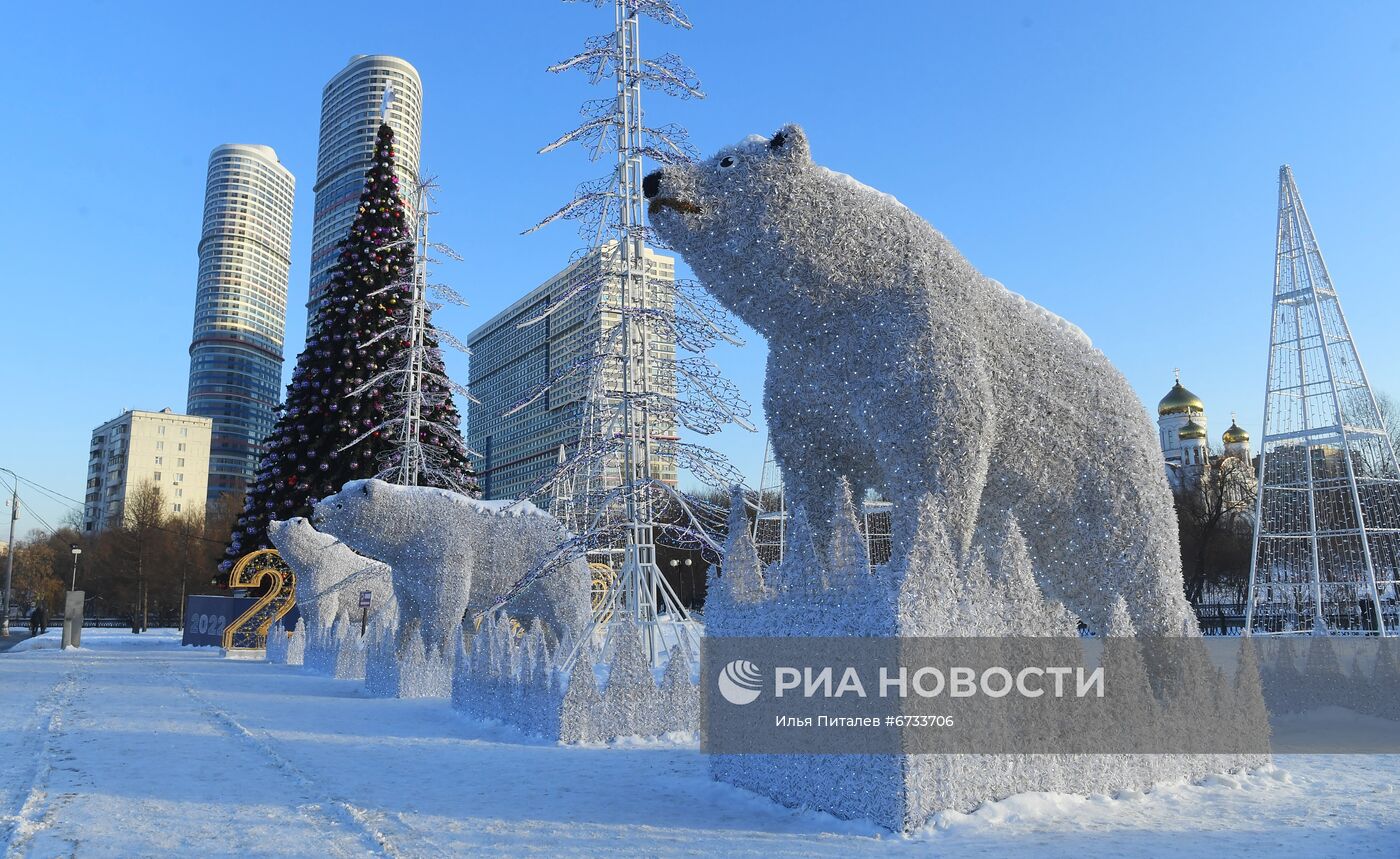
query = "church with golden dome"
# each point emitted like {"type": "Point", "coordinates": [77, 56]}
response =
{"type": "Point", "coordinates": [1182, 429]}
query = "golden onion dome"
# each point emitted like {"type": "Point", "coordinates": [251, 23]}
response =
{"type": "Point", "coordinates": [1180, 401]}
{"type": "Point", "coordinates": [1192, 430]}
{"type": "Point", "coordinates": [1235, 434]}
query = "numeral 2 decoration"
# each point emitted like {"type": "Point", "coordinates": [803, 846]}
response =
{"type": "Point", "coordinates": [265, 566]}
{"type": "Point", "coordinates": [604, 580]}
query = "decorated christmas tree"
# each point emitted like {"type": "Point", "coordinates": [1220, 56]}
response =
{"type": "Point", "coordinates": [338, 422]}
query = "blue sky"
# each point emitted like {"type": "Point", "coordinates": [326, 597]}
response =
{"type": "Point", "coordinates": [1116, 163]}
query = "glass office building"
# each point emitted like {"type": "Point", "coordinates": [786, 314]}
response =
{"type": "Point", "coordinates": [240, 311]}
{"type": "Point", "coordinates": [510, 360]}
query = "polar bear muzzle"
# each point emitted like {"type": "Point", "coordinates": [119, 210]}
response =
{"type": "Point", "coordinates": [651, 186]}
{"type": "Point", "coordinates": [682, 206]}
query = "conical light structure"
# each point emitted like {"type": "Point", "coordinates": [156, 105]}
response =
{"type": "Point", "coordinates": [1326, 554]}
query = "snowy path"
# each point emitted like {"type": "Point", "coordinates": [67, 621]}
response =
{"type": "Point", "coordinates": [135, 747]}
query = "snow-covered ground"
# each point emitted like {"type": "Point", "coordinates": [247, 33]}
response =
{"type": "Point", "coordinates": [133, 747]}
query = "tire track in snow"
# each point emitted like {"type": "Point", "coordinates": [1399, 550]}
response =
{"type": "Point", "coordinates": [45, 724]}
{"type": "Point", "coordinates": [370, 824]}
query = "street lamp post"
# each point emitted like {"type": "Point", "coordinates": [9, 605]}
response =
{"type": "Point", "coordinates": [73, 607]}
{"type": "Point", "coordinates": [675, 564]}
{"type": "Point", "coordinates": [9, 556]}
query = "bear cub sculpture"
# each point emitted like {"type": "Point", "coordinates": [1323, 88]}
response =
{"type": "Point", "coordinates": [894, 363]}
{"type": "Point", "coordinates": [330, 576]}
{"type": "Point", "coordinates": [450, 555]}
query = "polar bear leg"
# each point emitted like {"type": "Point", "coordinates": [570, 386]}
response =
{"type": "Point", "coordinates": [409, 626]}
{"type": "Point", "coordinates": [437, 623]}
{"type": "Point", "coordinates": [814, 487]}
{"type": "Point", "coordinates": [949, 460]}
{"type": "Point", "coordinates": [1086, 557]}
{"type": "Point", "coordinates": [813, 460]}
{"type": "Point", "coordinates": [1154, 590]}
{"type": "Point", "coordinates": [452, 608]}
{"type": "Point", "coordinates": [957, 485]}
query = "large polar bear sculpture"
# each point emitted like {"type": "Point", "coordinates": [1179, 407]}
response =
{"type": "Point", "coordinates": [450, 555]}
{"type": "Point", "coordinates": [894, 363]}
{"type": "Point", "coordinates": [331, 577]}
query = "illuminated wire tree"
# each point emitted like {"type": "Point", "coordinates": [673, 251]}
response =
{"type": "Point", "coordinates": [422, 422]}
{"type": "Point", "coordinates": [1327, 525]}
{"type": "Point", "coordinates": [648, 376]}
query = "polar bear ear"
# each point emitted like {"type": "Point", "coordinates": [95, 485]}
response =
{"type": "Point", "coordinates": [791, 142]}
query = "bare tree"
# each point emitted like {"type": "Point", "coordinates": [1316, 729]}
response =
{"type": "Point", "coordinates": [34, 577]}
{"type": "Point", "coordinates": [1214, 506]}
{"type": "Point", "coordinates": [188, 531]}
{"type": "Point", "coordinates": [142, 526]}
{"type": "Point", "coordinates": [144, 569]}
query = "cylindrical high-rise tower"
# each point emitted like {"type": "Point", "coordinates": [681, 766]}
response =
{"type": "Point", "coordinates": [240, 311]}
{"type": "Point", "coordinates": [351, 106]}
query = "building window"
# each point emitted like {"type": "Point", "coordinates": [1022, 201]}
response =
{"type": "Point", "coordinates": [179, 493]}
{"type": "Point", "coordinates": [180, 462]}
{"type": "Point", "coordinates": [157, 477]}
{"type": "Point", "coordinates": [181, 448]}
{"type": "Point", "coordinates": [184, 431]}
{"type": "Point", "coordinates": [179, 478]}
{"type": "Point", "coordinates": [160, 445]}
{"type": "Point", "coordinates": [159, 460]}
{"type": "Point", "coordinates": [160, 430]}
{"type": "Point", "coordinates": [177, 508]}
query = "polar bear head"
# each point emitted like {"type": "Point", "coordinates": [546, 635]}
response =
{"type": "Point", "coordinates": [307, 550]}
{"type": "Point", "coordinates": [383, 521]}
{"type": "Point", "coordinates": [769, 232]}
{"type": "Point", "coordinates": [295, 538]}
{"type": "Point", "coordinates": [725, 209]}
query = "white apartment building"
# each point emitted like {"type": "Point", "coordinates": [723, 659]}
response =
{"type": "Point", "coordinates": [167, 450]}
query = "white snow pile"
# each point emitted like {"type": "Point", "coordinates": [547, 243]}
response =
{"type": "Point", "coordinates": [102, 639]}
{"type": "Point", "coordinates": [337, 774]}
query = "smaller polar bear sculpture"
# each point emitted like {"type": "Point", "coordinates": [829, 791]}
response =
{"type": "Point", "coordinates": [894, 363]}
{"type": "Point", "coordinates": [330, 576]}
{"type": "Point", "coordinates": [450, 555]}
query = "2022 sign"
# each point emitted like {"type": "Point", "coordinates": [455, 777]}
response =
{"type": "Point", "coordinates": [207, 617]}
